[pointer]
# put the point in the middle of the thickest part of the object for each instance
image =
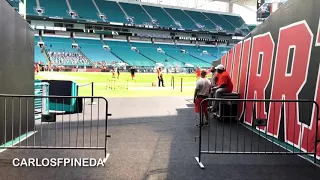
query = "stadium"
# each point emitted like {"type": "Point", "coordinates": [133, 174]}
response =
{"type": "Point", "coordinates": [117, 81]}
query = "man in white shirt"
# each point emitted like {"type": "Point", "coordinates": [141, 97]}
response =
{"type": "Point", "coordinates": [202, 91]}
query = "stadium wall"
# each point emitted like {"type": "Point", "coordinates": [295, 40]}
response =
{"type": "Point", "coordinates": [281, 60]}
{"type": "Point", "coordinates": [16, 73]}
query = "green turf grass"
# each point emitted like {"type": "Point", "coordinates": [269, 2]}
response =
{"type": "Point", "coordinates": [141, 86]}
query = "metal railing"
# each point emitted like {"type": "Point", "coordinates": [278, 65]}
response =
{"type": "Point", "coordinates": [73, 125]}
{"type": "Point", "coordinates": [252, 131]}
{"type": "Point", "coordinates": [91, 84]}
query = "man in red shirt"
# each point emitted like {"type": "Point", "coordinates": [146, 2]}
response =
{"type": "Point", "coordinates": [224, 85]}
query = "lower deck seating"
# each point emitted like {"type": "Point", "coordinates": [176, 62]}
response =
{"type": "Point", "coordinates": [216, 52]}
{"type": "Point", "coordinates": [198, 53]}
{"type": "Point", "coordinates": [91, 52]}
{"type": "Point", "coordinates": [93, 49]}
{"type": "Point", "coordinates": [123, 50]}
{"type": "Point", "coordinates": [38, 56]}
{"type": "Point", "coordinates": [150, 50]}
{"type": "Point", "coordinates": [176, 53]}
{"type": "Point", "coordinates": [60, 52]}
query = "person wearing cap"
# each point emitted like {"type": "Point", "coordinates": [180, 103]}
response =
{"type": "Point", "coordinates": [202, 92]}
{"type": "Point", "coordinates": [224, 85]}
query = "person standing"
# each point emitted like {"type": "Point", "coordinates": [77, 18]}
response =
{"type": "Point", "coordinates": [160, 77]}
{"type": "Point", "coordinates": [118, 72]}
{"type": "Point", "coordinates": [202, 92]}
{"type": "Point", "coordinates": [132, 71]}
{"type": "Point", "coordinates": [112, 70]}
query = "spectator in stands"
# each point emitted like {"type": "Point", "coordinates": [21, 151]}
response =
{"type": "Point", "coordinates": [202, 92]}
{"type": "Point", "coordinates": [160, 77]}
{"type": "Point", "coordinates": [224, 85]}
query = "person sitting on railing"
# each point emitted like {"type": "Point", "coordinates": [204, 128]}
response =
{"type": "Point", "coordinates": [224, 85]}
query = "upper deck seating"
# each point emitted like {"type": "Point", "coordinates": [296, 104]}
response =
{"type": "Point", "coordinates": [136, 11]}
{"type": "Point", "coordinates": [56, 8]}
{"type": "Point", "coordinates": [219, 21]}
{"type": "Point", "coordinates": [237, 21]}
{"type": "Point", "coordinates": [112, 10]}
{"type": "Point", "coordinates": [150, 50]}
{"type": "Point", "coordinates": [182, 18]}
{"type": "Point", "coordinates": [252, 27]}
{"type": "Point", "coordinates": [162, 18]}
{"type": "Point", "coordinates": [31, 7]}
{"type": "Point", "coordinates": [201, 19]}
{"type": "Point", "coordinates": [14, 3]}
{"type": "Point", "coordinates": [85, 9]}
{"type": "Point", "coordinates": [123, 50]}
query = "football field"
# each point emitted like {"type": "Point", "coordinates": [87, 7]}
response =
{"type": "Point", "coordinates": [141, 86]}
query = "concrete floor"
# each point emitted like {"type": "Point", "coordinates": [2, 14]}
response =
{"type": "Point", "coordinates": [152, 138]}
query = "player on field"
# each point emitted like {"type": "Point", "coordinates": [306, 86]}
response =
{"type": "Point", "coordinates": [118, 72]}
{"type": "Point", "coordinates": [112, 70]}
{"type": "Point", "coordinates": [202, 92]}
{"type": "Point", "coordinates": [133, 71]}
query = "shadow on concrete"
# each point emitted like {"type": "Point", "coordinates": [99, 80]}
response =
{"type": "Point", "coordinates": [158, 147]}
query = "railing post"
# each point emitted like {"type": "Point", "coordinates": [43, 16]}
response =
{"type": "Point", "coordinates": [77, 90]}
{"type": "Point", "coordinates": [317, 131]}
{"type": "Point", "coordinates": [92, 94]}
{"type": "Point", "coordinates": [172, 82]}
{"type": "Point", "coordinates": [92, 89]}
{"type": "Point", "coordinates": [181, 84]}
